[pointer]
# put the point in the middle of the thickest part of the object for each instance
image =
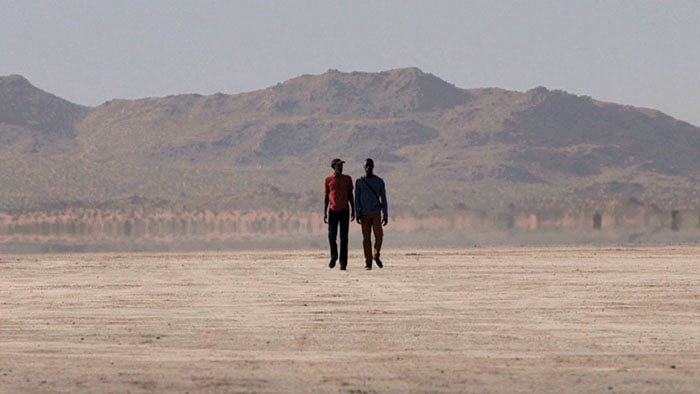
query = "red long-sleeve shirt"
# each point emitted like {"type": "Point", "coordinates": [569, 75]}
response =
{"type": "Point", "coordinates": [338, 188]}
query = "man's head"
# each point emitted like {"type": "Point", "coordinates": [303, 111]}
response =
{"type": "Point", "coordinates": [369, 166]}
{"type": "Point", "coordinates": [337, 166]}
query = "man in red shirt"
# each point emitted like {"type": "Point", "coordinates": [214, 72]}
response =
{"type": "Point", "coordinates": [337, 190]}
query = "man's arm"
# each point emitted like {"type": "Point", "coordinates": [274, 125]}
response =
{"type": "Point", "coordinates": [385, 205]}
{"type": "Point", "coordinates": [326, 201]}
{"type": "Point", "coordinates": [352, 203]}
{"type": "Point", "coordinates": [358, 205]}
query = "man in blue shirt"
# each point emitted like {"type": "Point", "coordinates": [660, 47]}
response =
{"type": "Point", "coordinates": [370, 204]}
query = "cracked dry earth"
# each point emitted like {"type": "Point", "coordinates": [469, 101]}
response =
{"type": "Point", "coordinates": [559, 319]}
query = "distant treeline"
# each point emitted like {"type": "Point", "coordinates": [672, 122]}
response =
{"type": "Point", "coordinates": [166, 224]}
{"type": "Point", "coordinates": [152, 224]}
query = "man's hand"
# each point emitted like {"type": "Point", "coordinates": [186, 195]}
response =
{"type": "Point", "coordinates": [325, 218]}
{"type": "Point", "coordinates": [385, 221]}
{"type": "Point", "coordinates": [352, 216]}
{"type": "Point", "coordinates": [358, 220]}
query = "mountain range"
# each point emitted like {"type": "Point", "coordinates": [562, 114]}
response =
{"type": "Point", "coordinates": [438, 147]}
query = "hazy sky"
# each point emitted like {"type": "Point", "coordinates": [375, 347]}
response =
{"type": "Point", "coordinates": [644, 53]}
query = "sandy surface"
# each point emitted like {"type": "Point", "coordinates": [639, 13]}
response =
{"type": "Point", "coordinates": [481, 320]}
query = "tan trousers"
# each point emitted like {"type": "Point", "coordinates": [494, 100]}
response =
{"type": "Point", "coordinates": [370, 222]}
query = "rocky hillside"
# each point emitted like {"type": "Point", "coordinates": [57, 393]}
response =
{"type": "Point", "coordinates": [34, 117]}
{"type": "Point", "coordinates": [438, 147]}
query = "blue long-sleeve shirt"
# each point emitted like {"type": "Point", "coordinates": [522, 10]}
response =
{"type": "Point", "coordinates": [366, 201]}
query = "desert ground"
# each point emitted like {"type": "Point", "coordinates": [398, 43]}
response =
{"type": "Point", "coordinates": [546, 319]}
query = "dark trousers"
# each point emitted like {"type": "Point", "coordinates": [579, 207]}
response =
{"type": "Point", "coordinates": [341, 218]}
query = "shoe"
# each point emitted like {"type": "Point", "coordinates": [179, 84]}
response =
{"type": "Point", "coordinates": [343, 268]}
{"type": "Point", "coordinates": [379, 262]}
{"type": "Point", "coordinates": [332, 263]}
{"type": "Point", "coordinates": [368, 268]}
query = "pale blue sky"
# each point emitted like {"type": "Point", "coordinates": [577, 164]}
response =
{"type": "Point", "coordinates": [644, 53]}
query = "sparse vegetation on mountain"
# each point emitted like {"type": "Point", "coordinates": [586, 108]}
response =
{"type": "Point", "coordinates": [434, 143]}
